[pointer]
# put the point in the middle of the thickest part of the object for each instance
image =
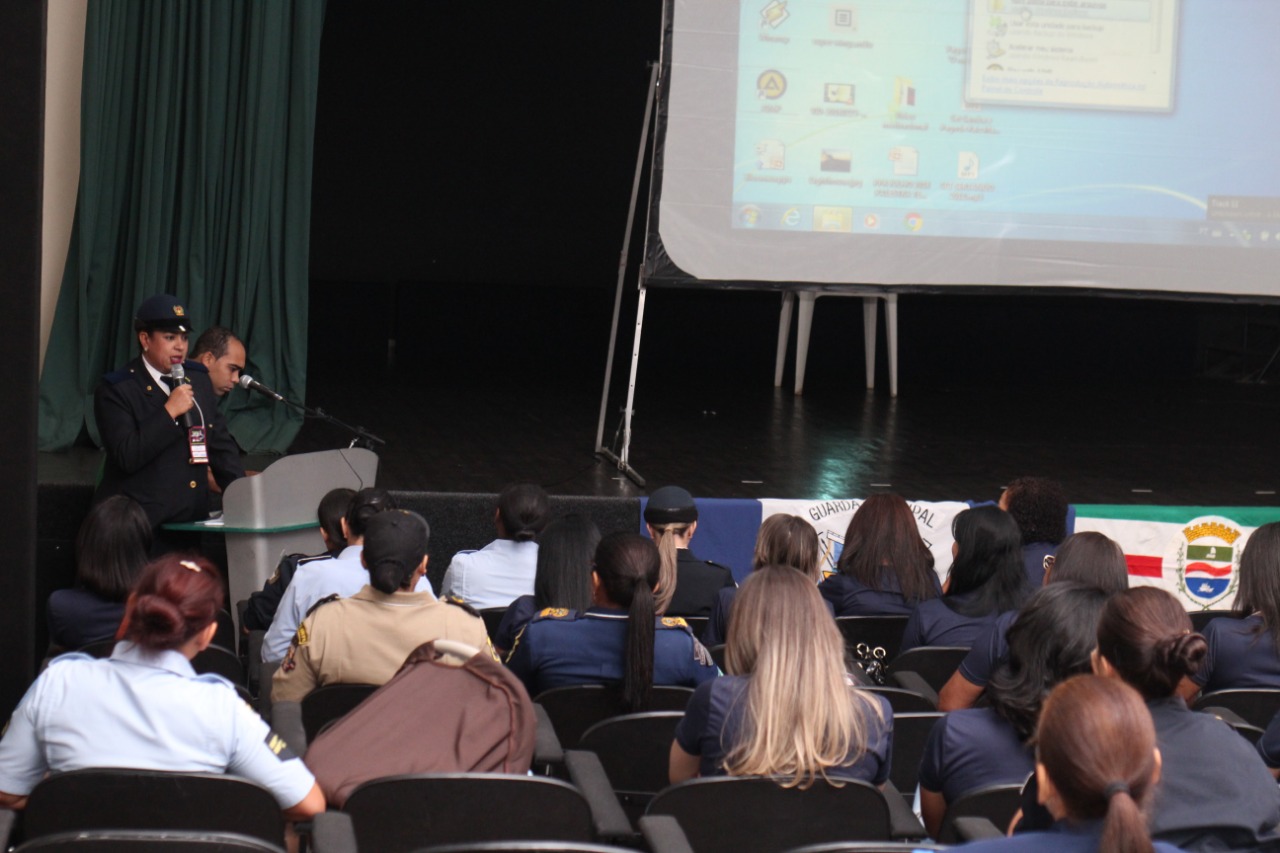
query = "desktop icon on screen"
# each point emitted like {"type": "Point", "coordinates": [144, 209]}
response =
{"type": "Point", "coordinates": [904, 93]}
{"type": "Point", "coordinates": [771, 85]}
{"type": "Point", "coordinates": [838, 93]}
{"type": "Point", "coordinates": [836, 160]}
{"type": "Point", "coordinates": [771, 154]}
{"type": "Point", "coordinates": [826, 218]}
{"type": "Point", "coordinates": [967, 166]}
{"type": "Point", "coordinates": [906, 160]}
{"type": "Point", "coordinates": [748, 216]}
{"type": "Point", "coordinates": [773, 15]}
{"type": "Point", "coordinates": [844, 18]}
{"type": "Point", "coordinates": [913, 221]}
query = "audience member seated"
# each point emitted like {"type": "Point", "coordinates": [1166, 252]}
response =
{"type": "Point", "coordinates": [111, 550]}
{"type": "Point", "coordinates": [788, 707]}
{"type": "Point", "coordinates": [686, 586]}
{"type": "Point", "coordinates": [1211, 776]}
{"type": "Point", "coordinates": [1087, 558]}
{"type": "Point", "coordinates": [783, 540]}
{"type": "Point", "coordinates": [145, 708]}
{"type": "Point", "coordinates": [1245, 651]}
{"type": "Point", "coordinates": [972, 748]}
{"type": "Point", "coordinates": [1269, 746]}
{"type": "Point", "coordinates": [1040, 507]}
{"type": "Point", "coordinates": [1097, 765]}
{"type": "Point", "coordinates": [343, 576]}
{"type": "Point", "coordinates": [985, 580]}
{"type": "Point", "coordinates": [620, 639]}
{"type": "Point", "coordinates": [366, 638]}
{"type": "Point", "coordinates": [503, 570]}
{"type": "Point", "coordinates": [563, 579]}
{"type": "Point", "coordinates": [885, 568]}
{"type": "Point", "coordinates": [262, 605]}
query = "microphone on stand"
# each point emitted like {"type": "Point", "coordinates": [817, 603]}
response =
{"type": "Point", "coordinates": [250, 384]}
{"type": "Point", "coordinates": [178, 374]}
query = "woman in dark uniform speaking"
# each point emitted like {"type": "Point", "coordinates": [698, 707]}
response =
{"type": "Point", "coordinates": [160, 424]}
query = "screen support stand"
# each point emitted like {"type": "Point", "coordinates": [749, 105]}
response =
{"type": "Point", "coordinates": [622, 457]}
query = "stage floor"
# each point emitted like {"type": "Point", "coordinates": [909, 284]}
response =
{"type": "Point", "coordinates": [1103, 395]}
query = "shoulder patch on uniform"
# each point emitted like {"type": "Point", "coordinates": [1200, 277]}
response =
{"type": "Point", "coordinates": [325, 600]}
{"type": "Point", "coordinates": [279, 747]}
{"type": "Point", "coordinates": [674, 622]}
{"type": "Point", "coordinates": [555, 613]}
{"type": "Point", "coordinates": [458, 602]}
{"type": "Point", "coordinates": [701, 655]}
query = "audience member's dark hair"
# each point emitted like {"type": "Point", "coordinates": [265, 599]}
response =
{"type": "Point", "coordinates": [365, 505]}
{"type": "Point", "coordinates": [1260, 579]}
{"type": "Point", "coordinates": [627, 565]}
{"type": "Point", "coordinates": [789, 540]}
{"type": "Point", "coordinates": [523, 511]}
{"type": "Point", "coordinates": [177, 597]}
{"type": "Point", "coordinates": [1092, 559]}
{"type": "Point", "coordinates": [1097, 744]}
{"type": "Point", "coordinates": [882, 539]}
{"type": "Point", "coordinates": [988, 563]}
{"type": "Point", "coordinates": [1052, 639]}
{"type": "Point", "coordinates": [214, 340]}
{"type": "Point", "coordinates": [333, 508]}
{"type": "Point", "coordinates": [394, 544]}
{"type": "Point", "coordinates": [1039, 505]}
{"type": "Point", "coordinates": [112, 547]}
{"type": "Point", "coordinates": [1145, 634]}
{"type": "Point", "coordinates": [565, 551]}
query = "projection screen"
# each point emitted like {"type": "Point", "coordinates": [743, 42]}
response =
{"type": "Point", "coordinates": [1098, 144]}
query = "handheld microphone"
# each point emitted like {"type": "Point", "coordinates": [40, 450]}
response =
{"type": "Point", "coordinates": [179, 376]}
{"type": "Point", "coordinates": [248, 383]}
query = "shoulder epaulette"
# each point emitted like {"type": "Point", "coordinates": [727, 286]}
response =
{"type": "Point", "coordinates": [716, 565]}
{"type": "Point", "coordinates": [673, 622]}
{"type": "Point", "coordinates": [325, 600]}
{"type": "Point", "coordinates": [554, 613]}
{"type": "Point", "coordinates": [458, 602]}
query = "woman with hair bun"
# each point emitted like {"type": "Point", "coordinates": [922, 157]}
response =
{"type": "Point", "coordinates": [145, 707]}
{"type": "Point", "coordinates": [788, 707]}
{"type": "Point", "coordinates": [1215, 790]}
{"type": "Point", "coordinates": [1096, 767]}
{"type": "Point", "coordinates": [620, 639]}
{"type": "Point", "coordinates": [365, 639]}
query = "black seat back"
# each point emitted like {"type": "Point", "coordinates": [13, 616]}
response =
{"type": "Point", "coordinates": [883, 632]}
{"type": "Point", "coordinates": [148, 841]}
{"type": "Point", "coordinates": [635, 751]}
{"type": "Point", "coordinates": [904, 701]}
{"type": "Point", "coordinates": [331, 702]}
{"type": "Point", "coordinates": [575, 709]}
{"type": "Point", "coordinates": [997, 803]}
{"type": "Point", "coordinates": [1201, 618]}
{"type": "Point", "coordinates": [399, 813]}
{"type": "Point", "coordinates": [759, 814]}
{"type": "Point", "coordinates": [935, 664]}
{"type": "Point", "coordinates": [492, 617]}
{"type": "Point", "coordinates": [1255, 706]}
{"type": "Point", "coordinates": [910, 734]}
{"type": "Point", "coordinates": [149, 799]}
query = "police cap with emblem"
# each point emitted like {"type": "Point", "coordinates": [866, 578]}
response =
{"type": "Point", "coordinates": [670, 505]}
{"type": "Point", "coordinates": [162, 312]}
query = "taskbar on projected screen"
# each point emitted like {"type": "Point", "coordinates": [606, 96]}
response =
{"type": "Point", "coordinates": [922, 221]}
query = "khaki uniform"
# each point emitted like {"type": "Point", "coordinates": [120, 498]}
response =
{"type": "Point", "coordinates": [365, 639]}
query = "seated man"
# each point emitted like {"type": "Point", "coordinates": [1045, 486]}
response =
{"type": "Point", "coordinates": [223, 355]}
{"type": "Point", "coordinates": [341, 576]}
{"type": "Point", "coordinates": [503, 570]}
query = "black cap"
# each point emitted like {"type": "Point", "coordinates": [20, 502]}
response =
{"type": "Point", "coordinates": [397, 535]}
{"type": "Point", "coordinates": [670, 505]}
{"type": "Point", "coordinates": [162, 312]}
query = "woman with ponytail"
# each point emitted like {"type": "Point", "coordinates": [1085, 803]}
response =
{"type": "Point", "coordinates": [620, 639]}
{"type": "Point", "coordinates": [1096, 768]}
{"type": "Point", "coordinates": [1215, 791]}
{"type": "Point", "coordinates": [145, 707]}
{"type": "Point", "coordinates": [365, 639]}
{"type": "Point", "coordinates": [686, 585]}
{"type": "Point", "coordinates": [788, 707]}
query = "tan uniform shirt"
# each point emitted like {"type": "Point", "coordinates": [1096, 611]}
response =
{"type": "Point", "coordinates": [365, 639]}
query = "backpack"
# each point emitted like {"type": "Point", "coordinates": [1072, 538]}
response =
{"type": "Point", "coordinates": [450, 709]}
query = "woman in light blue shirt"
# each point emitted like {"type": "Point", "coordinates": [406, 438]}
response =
{"type": "Point", "coordinates": [145, 708]}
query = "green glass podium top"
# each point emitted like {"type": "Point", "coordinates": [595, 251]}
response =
{"type": "Point", "coordinates": [215, 525]}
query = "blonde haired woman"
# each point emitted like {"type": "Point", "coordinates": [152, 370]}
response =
{"type": "Point", "coordinates": [787, 707]}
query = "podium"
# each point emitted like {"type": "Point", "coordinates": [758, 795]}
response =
{"type": "Point", "coordinates": [274, 513]}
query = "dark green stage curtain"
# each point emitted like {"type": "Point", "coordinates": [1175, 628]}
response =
{"type": "Point", "coordinates": [195, 179]}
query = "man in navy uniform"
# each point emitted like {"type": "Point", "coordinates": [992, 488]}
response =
{"type": "Point", "coordinates": [160, 431]}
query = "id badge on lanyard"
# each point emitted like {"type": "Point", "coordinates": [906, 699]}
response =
{"type": "Point", "coordinates": [198, 442]}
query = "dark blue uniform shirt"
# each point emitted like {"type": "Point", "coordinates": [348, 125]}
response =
{"type": "Point", "coordinates": [1063, 837]}
{"type": "Point", "coordinates": [566, 647]}
{"type": "Point", "coordinates": [713, 721]}
{"type": "Point", "coordinates": [934, 623]}
{"type": "Point", "coordinates": [971, 749]}
{"type": "Point", "coordinates": [990, 649]}
{"type": "Point", "coordinates": [78, 617]}
{"type": "Point", "coordinates": [518, 614]}
{"type": "Point", "coordinates": [1033, 555]}
{"type": "Point", "coordinates": [1242, 653]}
{"type": "Point", "coordinates": [850, 597]}
{"type": "Point", "coordinates": [717, 631]}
